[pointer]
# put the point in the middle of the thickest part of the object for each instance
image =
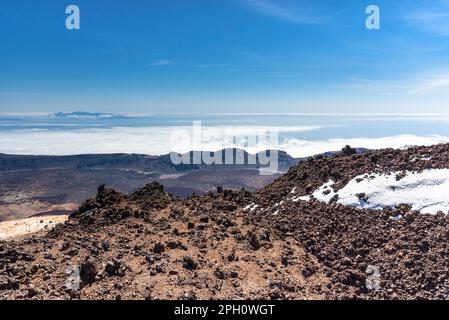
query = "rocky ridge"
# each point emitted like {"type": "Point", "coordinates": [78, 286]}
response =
{"type": "Point", "coordinates": [267, 244]}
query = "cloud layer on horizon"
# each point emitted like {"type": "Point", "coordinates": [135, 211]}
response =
{"type": "Point", "coordinates": [160, 140]}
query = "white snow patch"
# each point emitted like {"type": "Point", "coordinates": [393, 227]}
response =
{"type": "Point", "coordinates": [303, 198]}
{"type": "Point", "coordinates": [280, 203]}
{"type": "Point", "coordinates": [325, 192]}
{"type": "Point", "coordinates": [251, 207]}
{"type": "Point", "coordinates": [248, 207]}
{"type": "Point", "coordinates": [396, 218]}
{"type": "Point", "coordinates": [426, 191]}
{"type": "Point", "coordinates": [423, 158]}
{"type": "Point", "coordinates": [254, 208]}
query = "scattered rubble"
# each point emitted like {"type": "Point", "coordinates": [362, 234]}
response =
{"type": "Point", "coordinates": [271, 244]}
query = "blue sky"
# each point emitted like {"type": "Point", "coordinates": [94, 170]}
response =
{"type": "Point", "coordinates": [225, 56]}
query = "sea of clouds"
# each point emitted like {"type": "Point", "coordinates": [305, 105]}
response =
{"type": "Point", "coordinates": [160, 140]}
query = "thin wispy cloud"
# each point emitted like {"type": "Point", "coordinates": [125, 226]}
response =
{"type": "Point", "coordinates": [433, 82]}
{"type": "Point", "coordinates": [421, 83]}
{"type": "Point", "coordinates": [433, 17]}
{"type": "Point", "coordinates": [300, 13]}
{"type": "Point", "coordinates": [159, 63]}
{"type": "Point", "coordinates": [213, 65]}
{"type": "Point", "coordinates": [383, 86]}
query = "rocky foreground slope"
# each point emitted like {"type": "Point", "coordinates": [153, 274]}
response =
{"type": "Point", "coordinates": [276, 243]}
{"type": "Point", "coordinates": [33, 186]}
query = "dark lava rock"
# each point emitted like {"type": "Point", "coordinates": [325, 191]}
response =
{"type": "Point", "coordinates": [254, 241]}
{"type": "Point", "coordinates": [220, 274]}
{"type": "Point", "coordinates": [150, 258]}
{"type": "Point", "coordinates": [88, 271]}
{"type": "Point", "coordinates": [106, 245]}
{"type": "Point", "coordinates": [190, 225]}
{"type": "Point", "coordinates": [115, 268]}
{"type": "Point", "coordinates": [348, 151]}
{"type": "Point", "coordinates": [158, 248]}
{"type": "Point", "coordinates": [189, 263]}
{"type": "Point", "coordinates": [8, 283]}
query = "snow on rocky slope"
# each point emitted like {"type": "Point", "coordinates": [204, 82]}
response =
{"type": "Point", "coordinates": [425, 191]}
{"type": "Point", "coordinates": [417, 177]}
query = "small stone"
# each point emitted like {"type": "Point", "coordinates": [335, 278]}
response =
{"type": "Point", "coordinates": [173, 244]}
{"type": "Point", "coordinates": [158, 248]}
{"type": "Point", "coordinates": [150, 259]}
{"type": "Point", "coordinates": [88, 271]}
{"type": "Point", "coordinates": [114, 268]}
{"type": "Point", "coordinates": [106, 245]}
{"type": "Point", "coordinates": [189, 263]}
{"type": "Point", "coordinates": [284, 260]}
{"type": "Point", "coordinates": [202, 226]}
{"type": "Point", "coordinates": [220, 274]}
{"type": "Point", "coordinates": [159, 269]}
{"type": "Point", "coordinates": [254, 241]}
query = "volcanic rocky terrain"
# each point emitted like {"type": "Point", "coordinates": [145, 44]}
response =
{"type": "Point", "coordinates": [33, 186]}
{"type": "Point", "coordinates": [279, 242]}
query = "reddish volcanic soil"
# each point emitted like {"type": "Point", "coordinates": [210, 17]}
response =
{"type": "Point", "coordinates": [241, 245]}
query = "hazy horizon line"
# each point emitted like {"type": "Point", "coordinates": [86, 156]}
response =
{"type": "Point", "coordinates": [131, 114]}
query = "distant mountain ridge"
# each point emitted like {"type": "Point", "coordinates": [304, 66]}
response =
{"type": "Point", "coordinates": [88, 115]}
{"type": "Point", "coordinates": [38, 185]}
{"type": "Point", "coordinates": [161, 164]}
